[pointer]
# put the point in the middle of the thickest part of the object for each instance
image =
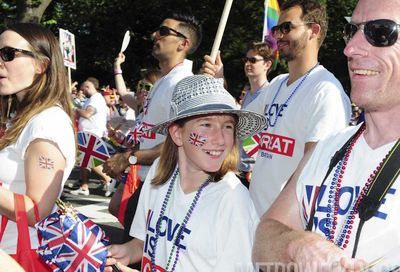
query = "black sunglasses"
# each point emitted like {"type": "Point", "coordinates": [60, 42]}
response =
{"type": "Point", "coordinates": [379, 33]}
{"type": "Point", "coordinates": [286, 27]}
{"type": "Point", "coordinates": [251, 60]}
{"type": "Point", "coordinates": [8, 53]}
{"type": "Point", "coordinates": [165, 31]}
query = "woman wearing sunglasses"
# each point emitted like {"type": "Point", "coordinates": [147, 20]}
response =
{"type": "Point", "coordinates": [37, 151]}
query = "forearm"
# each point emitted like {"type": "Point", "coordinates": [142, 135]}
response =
{"type": "Point", "coordinates": [271, 242]}
{"type": "Point", "coordinates": [84, 113]}
{"type": "Point", "coordinates": [7, 203]}
{"type": "Point", "coordinates": [147, 156]}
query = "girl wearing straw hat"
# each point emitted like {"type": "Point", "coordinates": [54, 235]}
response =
{"type": "Point", "coordinates": [194, 214]}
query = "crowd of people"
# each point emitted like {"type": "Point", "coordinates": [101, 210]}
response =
{"type": "Point", "coordinates": [321, 168]}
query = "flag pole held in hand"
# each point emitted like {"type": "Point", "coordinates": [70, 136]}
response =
{"type": "Point", "coordinates": [221, 28]}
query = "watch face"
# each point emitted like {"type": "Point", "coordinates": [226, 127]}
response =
{"type": "Point", "coordinates": [132, 160]}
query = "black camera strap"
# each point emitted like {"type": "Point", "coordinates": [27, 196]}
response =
{"type": "Point", "coordinates": [382, 182]}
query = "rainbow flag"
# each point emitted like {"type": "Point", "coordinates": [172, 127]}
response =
{"type": "Point", "coordinates": [271, 16]}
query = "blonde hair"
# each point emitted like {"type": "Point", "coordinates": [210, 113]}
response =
{"type": "Point", "coordinates": [48, 89]}
{"type": "Point", "coordinates": [169, 159]}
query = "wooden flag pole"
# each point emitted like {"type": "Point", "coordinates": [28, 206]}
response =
{"type": "Point", "coordinates": [221, 29]}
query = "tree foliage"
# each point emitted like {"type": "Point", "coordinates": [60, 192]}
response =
{"type": "Point", "coordinates": [99, 26]}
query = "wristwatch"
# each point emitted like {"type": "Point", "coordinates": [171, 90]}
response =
{"type": "Point", "coordinates": [132, 159]}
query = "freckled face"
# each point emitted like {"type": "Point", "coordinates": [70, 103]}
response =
{"type": "Point", "coordinates": [204, 142]}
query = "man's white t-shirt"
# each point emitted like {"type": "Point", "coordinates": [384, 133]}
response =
{"type": "Point", "coordinates": [157, 107]}
{"type": "Point", "coordinates": [96, 123]}
{"type": "Point", "coordinates": [380, 235]}
{"type": "Point", "coordinates": [318, 108]}
{"type": "Point", "coordinates": [219, 234]}
{"type": "Point", "coordinates": [52, 124]}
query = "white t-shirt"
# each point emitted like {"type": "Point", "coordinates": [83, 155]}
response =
{"type": "Point", "coordinates": [157, 107]}
{"type": "Point", "coordinates": [382, 232]}
{"type": "Point", "coordinates": [52, 124]}
{"type": "Point", "coordinates": [96, 123]}
{"type": "Point", "coordinates": [318, 108]}
{"type": "Point", "coordinates": [219, 235]}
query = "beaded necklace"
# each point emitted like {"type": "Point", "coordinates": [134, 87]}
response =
{"type": "Point", "coordinates": [288, 99]}
{"type": "Point", "coordinates": [343, 239]}
{"type": "Point", "coordinates": [182, 226]}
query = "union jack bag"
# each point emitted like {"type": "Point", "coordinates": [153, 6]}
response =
{"type": "Point", "coordinates": [71, 242]}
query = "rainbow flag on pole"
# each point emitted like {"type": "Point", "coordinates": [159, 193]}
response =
{"type": "Point", "coordinates": [271, 16]}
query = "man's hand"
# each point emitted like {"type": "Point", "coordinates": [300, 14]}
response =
{"type": "Point", "coordinates": [211, 68]}
{"type": "Point", "coordinates": [313, 253]}
{"type": "Point", "coordinates": [116, 164]}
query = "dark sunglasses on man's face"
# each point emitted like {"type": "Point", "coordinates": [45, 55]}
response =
{"type": "Point", "coordinates": [379, 33]}
{"type": "Point", "coordinates": [252, 60]}
{"type": "Point", "coordinates": [286, 27]}
{"type": "Point", "coordinates": [165, 31]}
{"type": "Point", "coordinates": [8, 53]}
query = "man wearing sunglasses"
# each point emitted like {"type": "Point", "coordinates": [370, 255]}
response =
{"type": "Point", "coordinates": [178, 36]}
{"type": "Point", "coordinates": [337, 240]}
{"type": "Point", "coordinates": [302, 107]}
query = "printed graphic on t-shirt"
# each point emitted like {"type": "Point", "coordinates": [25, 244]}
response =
{"type": "Point", "coordinates": [318, 197]}
{"type": "Point", "coordinates": [278, 144]}
{"type": "Point", "coordinates": [273, 112]}
{"type": "Point", "coordinates": [146, 132]}
{"type": "Point", "coordinates": [169, 230]}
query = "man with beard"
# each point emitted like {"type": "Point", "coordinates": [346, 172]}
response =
{"type": "Point", "coordinates": [176, 37]}
{"type": "Point", "coordinates": [302, 107]}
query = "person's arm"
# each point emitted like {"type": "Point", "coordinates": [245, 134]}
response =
{"type": "Point", "coordinates": [128, 253]}
{"type": "Point", "coordinates": [9, 264]}
{"type": "Point", "coordinates": [86, 113]}
{"type": "Point", "coordinates": [44, 169]}
{"type": "Point", "coordinates": [117, 163]}
{"type": "Point", "coordinates": [280, 236]}
{"type": "Point", "coordinates": [129, 99]}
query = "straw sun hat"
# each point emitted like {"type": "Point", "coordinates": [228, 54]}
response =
{"type": "Point", "coordinates": [200, 95]}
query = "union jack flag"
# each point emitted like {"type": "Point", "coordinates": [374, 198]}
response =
{"type": "Point", "coordinates": [92, 151]}
{"type": "Point", "coordinates": [251, 145]}
{"type": "Point", "coordinates": [134, 136]}
{"type": "Point", "coordinates": [197, 139]}
{"type": "Point", "coordinates": [72, 243]}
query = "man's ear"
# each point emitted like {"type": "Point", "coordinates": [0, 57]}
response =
{"type": "Point", "coordinates": [315, 30]}
{"type": "Point", "coordinates": [184, 45]}
{"type": "Point", "coordinates": [42, 65]}
{"type": "Point", "coordinates": [175, 131]}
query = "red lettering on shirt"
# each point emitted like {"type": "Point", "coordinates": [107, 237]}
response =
{"type": "Point", "coordinates": [277, 144]}
{"type": "Point", "coordinates": [148, 134]}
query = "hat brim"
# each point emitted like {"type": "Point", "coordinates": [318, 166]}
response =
{"type": "Point", "coordinates": [249, 123]}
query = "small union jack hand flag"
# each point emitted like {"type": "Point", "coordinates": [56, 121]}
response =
{"type": "Point", "coordinates": [197, 139]}
{"type": "Point", "coordinates": [92, 151]}
{"type": "Point", "coordinates": [134, 136]}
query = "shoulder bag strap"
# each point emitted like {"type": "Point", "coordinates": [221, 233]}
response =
{"type": "Point", "coordinates": [334, 161]}
{"type": "Point", "coordinates": [382, 182]}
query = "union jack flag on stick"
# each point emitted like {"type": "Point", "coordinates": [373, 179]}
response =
{"type": "Point", "coordinates": [92, 151]}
